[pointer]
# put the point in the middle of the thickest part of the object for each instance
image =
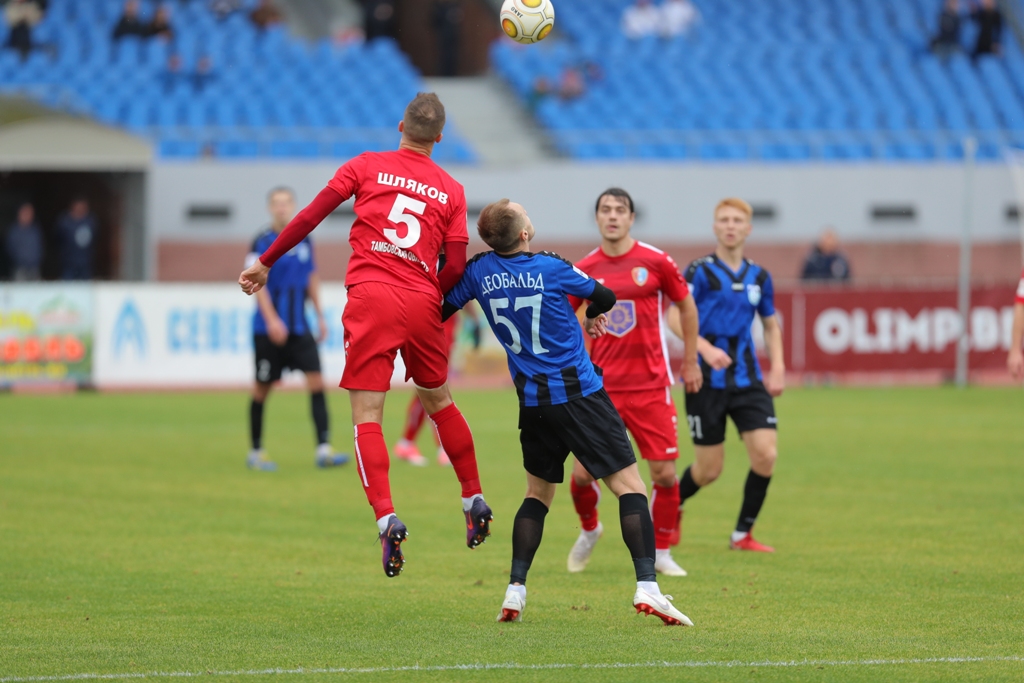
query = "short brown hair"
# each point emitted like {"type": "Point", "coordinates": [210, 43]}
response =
{"type": "Point", "coordinates": [736, 203]}
{"type": "Point", "coordinates": [424, 118]}
{"type": "Point", "coordinates": [500, 225]}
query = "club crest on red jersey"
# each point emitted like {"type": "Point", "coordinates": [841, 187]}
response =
{"type": "Point", "coordinates": [622, 318]}
{"type": "Point", "coordinates": [640, 276]}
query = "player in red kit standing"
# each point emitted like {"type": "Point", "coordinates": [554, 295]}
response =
{"type": "Point", "coordinates": [407, 210]}
{"type": "Point", "coordinates": [637, 375]}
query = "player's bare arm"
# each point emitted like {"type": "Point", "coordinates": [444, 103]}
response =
{"type": "Point", "coordinates": [1015, 361]}
{"type": "Point", "coordinates": [314, 297]}
{"type": "Point", "coordinates": [689, 320]}
{"type": "Point", "coordinates": [712, 355]}
{"type": "Point", "coordinates": [775, 382]}
{"type": "Point", "coordinates": [276, 329]}
{"type": "Point", "coordinates": [254, 278]}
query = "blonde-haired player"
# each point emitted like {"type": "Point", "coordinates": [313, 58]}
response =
{"type": "Point", "coordinates": [730, 290]}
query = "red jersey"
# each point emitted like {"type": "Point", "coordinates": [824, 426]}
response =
{"type": "Point", "coordinates": [406, 208]}
{"type": "Point", "coordinates": [633, 354]}
{"type": "Point", "coordinates": [1020, 290]}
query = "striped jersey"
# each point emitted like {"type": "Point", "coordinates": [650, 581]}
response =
{"type": "Point", "coordinates": [727, 301]}
{"type": "Point", "coordinates": [524, 298]}
{"type": "Point", "coordinates": [287, 283]}
{"type": "Point", "coordinates": [634, 354]}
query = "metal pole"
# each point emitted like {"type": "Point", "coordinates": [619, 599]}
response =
{"type": "Point", "coordinates": [964, 290]}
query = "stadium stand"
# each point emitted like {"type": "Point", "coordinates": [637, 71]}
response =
{"type": "Point", "coordinates": [781, 80]}
{"type": "Point", "coordinates": [266, 94]}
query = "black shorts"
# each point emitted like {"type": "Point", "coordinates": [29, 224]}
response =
{"type": "Point", "coordinates": [750, 408]}
{"type": "Point", "coordinates": [298, 353]}
{"type": "Point", "coordinates": [590, 428]}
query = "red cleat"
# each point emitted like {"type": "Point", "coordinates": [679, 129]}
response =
{"type": "Point", "coordinates": [748, 543]}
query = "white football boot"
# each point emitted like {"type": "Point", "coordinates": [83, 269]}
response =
{"type": "Point", "coordinates": [665, 564]}
{"type": "Point", "coordinates": [660, 606]}
{"type": "Point", "coordinates": [512, 608]}
{"type": "Point", "coordinates": [579, 556]}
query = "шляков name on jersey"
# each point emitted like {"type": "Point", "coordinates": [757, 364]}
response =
{"type": "Point", "coordinates": [508, 280]}
{"type": "Point", "coordinates": [411, 185]}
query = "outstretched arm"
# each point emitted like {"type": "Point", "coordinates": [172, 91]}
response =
{"type": "Point", "coordinates": [776, 381]}
{"type": "Point", "coordinates": [254, 277]}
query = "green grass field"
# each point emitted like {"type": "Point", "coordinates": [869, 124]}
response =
{"type": "Point", "coordinates": [133, 540]}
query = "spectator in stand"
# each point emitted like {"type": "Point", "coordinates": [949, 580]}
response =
{"type": "Point", "coordinates": [225, 8]}
{"type": "Point", "coordinates": [679, 17]}
{"type": "Point", "coordinates": [570, 84]}
{"type": "Point", "coordinates": [540, 91]}
{"type": "Point", "coordinates": [379, 19]}
{"type": "Point", "coordinates": [76, 234]}
{"type": "Point", "coordinates": [266, 15]}
{"type": "Point", "coordinates": [989, 19]}
{"type": "Point", "coordinates": [826, 262]}
{"type": "Point", "coordinates": [22, 16]}
{"type": "Point", "coordinates": [641, 19]}
{"type": "Point", "coordinates": [129, 24]}
{"type": "Point", "coordinates": [160, 27]}
{"type": "Point", "coordinates": [448, 16]}
{"type": "Point", "coordinates": [172, 74]}
{"type": "Point", "coordinates": [947, 40]}
{"type": "Point", "coordinates": [204, 74]}
{"type": "Point", "coordinates": [25, 245]}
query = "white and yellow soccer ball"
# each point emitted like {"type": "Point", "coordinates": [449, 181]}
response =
{"type": "Point", "coordinates": [527, 21]}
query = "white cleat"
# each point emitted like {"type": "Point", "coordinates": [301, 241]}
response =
{"type": "Point", "coordinates": [660, 606]}
{"type": "Point", "coordinates": [579, 556]}
{"type": "Point", "coordinates": [665, 564]}
{"type": "Point", "coordinates": [512, 608]}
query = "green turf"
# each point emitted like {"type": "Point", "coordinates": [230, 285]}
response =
{"type": "Point", "coordinates": [132, 539]}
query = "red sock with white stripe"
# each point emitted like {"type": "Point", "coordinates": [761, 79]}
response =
{"type": "Point", "coordinates": [457, 441]}
{"type": "Point", "coordinates": [664, 513]}
{"type": "Point", "coordinates": [586, 498]}
{"type": "Point", "coordinates": [373, 462]}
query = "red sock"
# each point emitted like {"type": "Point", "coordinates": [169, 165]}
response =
{"type": "Point", "coordinates": [664, 514]}
{"type": "Point", "coordinates": [373, 461]}
{"type": "Point", "coordinates": [586, 498]}
{"type": "Point", "coordinates": [457, 441]}
{"type": "Point", "coordinates": [414, 419]}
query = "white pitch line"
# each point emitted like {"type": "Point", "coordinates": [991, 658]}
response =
{"type": "Point", "coordinates": [514, 667]}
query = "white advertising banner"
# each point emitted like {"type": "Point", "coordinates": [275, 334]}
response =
{"type": "Point", "coordinates": [194, 335]}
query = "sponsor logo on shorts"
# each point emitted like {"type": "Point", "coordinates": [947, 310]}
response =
{"type": "Point", "coordinates": [622, 318]}
{"type": "Point", "coordinates": [773, 420]}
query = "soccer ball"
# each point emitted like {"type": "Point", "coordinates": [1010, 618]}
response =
{"type": "Point", "coordinates": [527, 21]}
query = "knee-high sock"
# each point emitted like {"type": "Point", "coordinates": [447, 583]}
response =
{"type": "Point", "coordinates": [665, 514]}
{"type": "Point", "coordinates": [586, 498]}
{"type": "Point", "coordinates": [373, 461]}
{"type": "Point", "coordinates": [318, 404]}
{"type": "Point", "coordinates": [413, 419]}
{"type": "Point", "coordinates": [687, 486]}
{"type": "Point", "coordinates": [638, 533]}
{"type": "Point", "coordinates": [457, 441]}
{"type": "Point", "coordinates": [754, 493]}
{"type": "Point", "coordinates": [256, 424]}
{"type": "Point", "coordinates": [527, 530]}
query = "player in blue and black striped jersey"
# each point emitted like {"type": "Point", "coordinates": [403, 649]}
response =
{"type": "Point", "coordinates": [730, 291]}
{"type": "Point", "coordinates": [563, 404]}
{"type": "Point", "coordinates": [282, 337]}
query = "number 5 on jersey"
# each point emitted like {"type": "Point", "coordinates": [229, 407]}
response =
{"type": "Point", "coordinates": [398, 216]}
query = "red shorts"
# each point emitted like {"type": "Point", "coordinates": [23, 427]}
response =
{"type": "Point", "coordinates": [451, 328]}
{"type": "Point", "coordinates": [650, 416]}
{"type": "Point", "coordinates": [382, 320]}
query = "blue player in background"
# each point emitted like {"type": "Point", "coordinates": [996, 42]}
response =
{"type": "Point", "coordinates": [282, 337]}
{"type": "Point", "coordinates": [563, 404]}
{"type": "Point", "coordinates": [730, 290]}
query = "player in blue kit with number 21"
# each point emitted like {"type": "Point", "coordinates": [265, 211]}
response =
{"type": "Point", "coordinates": [563, 406]}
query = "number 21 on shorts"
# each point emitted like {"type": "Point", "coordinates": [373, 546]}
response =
{"type": "Point", "coordinates": [696, 432]}
{"type": "Point", "coordinates": [399, 216]}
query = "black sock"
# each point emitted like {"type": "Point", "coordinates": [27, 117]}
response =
{"type": "Point", "coordinates": [754, 492]}
{"type": "Point", "coordinates": [687, 486]}
{"type": "Point", "coordinates": [527, 531]}
{"type": "Point", "coordinates": [319, 404]}
{"type": "Point", "coordinates": [256, 424]}
{"type": "Point", "coordinates": [638, 533]}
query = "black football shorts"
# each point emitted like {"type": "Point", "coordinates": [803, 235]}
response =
{"type": "Point", "coordinates": [298, 353]}
{"type": "Point", "coordinates": [750, 408]}
{"type": "Point", "coordinates": [590, 428]}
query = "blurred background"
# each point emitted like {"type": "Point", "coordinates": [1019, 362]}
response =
{"type": "Point", "coordinates": [874, 138]}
